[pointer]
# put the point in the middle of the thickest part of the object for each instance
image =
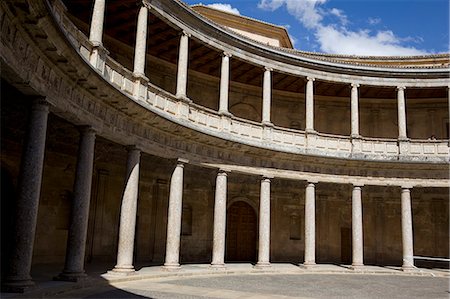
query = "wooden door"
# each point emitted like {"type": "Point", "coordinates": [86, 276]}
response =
{"type": "Point", "coordinates": [241, 233]}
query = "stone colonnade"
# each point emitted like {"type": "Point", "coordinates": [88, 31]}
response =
{"type": "Point", "coordinates": [18, 276]}
{"type": "Point", "coordinates": [95, 37]}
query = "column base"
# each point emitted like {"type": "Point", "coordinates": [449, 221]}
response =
{"type": "Point", "coordinates": [359, 267]}
{"type": "Point", "coordinates": [408, 269]}
{"type": "Point", "coordinates": [171, 267]}
{"type": "Point", "coordinates": [308, 265]}
{"type": "Point", "coordinates": [18, 286]}
{"type": "Point", "coordinates": [262, 265]}
{"type": "Point", "coordinates": [355, 136]}
{"type": "Point", "coordinates": [311, 131]}
{"type": "Point", "coordinates": [225, 113]}
{"type": "Point", "coordinates": [122, 270]}
{"type": "Point", "coordinates": [184, 98]}
{"type": "Point", "coordinates": [267, 124]}
{"type": "Point", "coordinates": [71, 276]}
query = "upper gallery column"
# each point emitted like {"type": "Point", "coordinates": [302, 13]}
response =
{"type": "Point", "coordinates": [401, 109]}
{"type": "Point", "coordinates": [141, 42]}
{"type": "Point", "coordinates": [407, 230]}
{"type": "Point", "coordinates": [220, 214]}
{"type": "Point", "coordinates": [96, 30]}
{"type": "Point", "coordinates": [18, 276]}
{"type": "Point", "coordinates": [267, 94]}
{"type": "Point", "coordinates": [310, 225]}
{"type": "Point", "coordinates": [354, 111]}
{"type": "Point", "coordinates": [264, 224]}
{"type": "Point", "coordinates": [357, 229]}
{"type": "Point", "coordinates": [79, 216]}
{"type": "Point", "coordinates": [174, 217]}
{"type": "Point", "coordinates": [182, 74]}
{"type": "Point", "coordinates": [128, 211]}
{"type": "Point", "coordinates": [309, 93]}
{"type": "Point", "coordinates": [224, 84]}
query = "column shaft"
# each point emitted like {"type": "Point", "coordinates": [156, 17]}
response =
{"type": "Point", "coordinates": [401, 109]}
{"type": "Point", "coordinates": [357, 228]}
{"type": "Point", "coordinates": [76, 242]}
{"type": "Point", "coordinates": [141, 42]}
{"type": "Point", "coordinates": [174, 217]}
{"type": "Point", "coordinates": [407, 230]}
{"type": "Point", "coordinates": [29, 188]}
{"type": "Point", "coordinates": [309, 105]}
{"type": "Point", "coordinates": [128, 211]}
{"type": "Point", "coordinates": [354, 111]}
{"type": "Point", "coordinates": [310, 225]}
{"type": "Point", "coordinates": [264, 224]}
{"type": "Point", "coordinates": [267, 92]}
{"type": "Point", "coordinates": [182, 74]}
{"type": "Point", "coordinates": [220, 214]}
{"type": "Point", "coordinates": [224, 84]}
{"type": "Point", "coordinates": [96, 30]}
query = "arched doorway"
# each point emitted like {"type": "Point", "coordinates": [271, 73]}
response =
{"type": "Point", "coordinates": [241, 233]}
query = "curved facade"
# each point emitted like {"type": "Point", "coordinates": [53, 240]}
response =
{"type": "Point", "coordinates": [152, 134]}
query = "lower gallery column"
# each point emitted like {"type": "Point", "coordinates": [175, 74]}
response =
{"type": "Point", "coordinates": [357, 229]}
{"type": "Point", "coordinates": [407, 231]}
{"type": "Point", "coordinates": [76, 242]}
{"type": "Point", "coordinates": [220, 214]}
{"type": "Point", "coordinates": [18, 277]}
{"type": "Point", "coordinates": [174, 217]}
{"type": "Point", "coordinates": [310, 225]}
{"type": "Point", "coordinates": [128, 212]}
{"type": "Point", "coordinates": [264, 224]}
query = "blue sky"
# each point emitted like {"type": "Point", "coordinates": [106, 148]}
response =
{"type": "Point", "coordinates": [359, 27]}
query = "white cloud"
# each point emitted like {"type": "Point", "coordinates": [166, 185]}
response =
{"type": "Point", "coordinates": [340, 14]}
{"type": "Point", "coordinates": [342, 40]}
{"type": "Point", "coordinates": [374, 21]}
{"type": "Point", "coordinates": [224, 7]}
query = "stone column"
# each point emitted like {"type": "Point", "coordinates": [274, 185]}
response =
{"type": "Point", "coordinates": [407, 231]}
{"type": "Point", "coordinates": [76, 242]}
{"type": "Point", "coordinates": [310, 225]}
{"type": "Point", "coordinates": [182, 74]}
{"type": "Point", "coordinates": [128, 211]}
{"type": "Point", "coordinates": [264, 224]}
{"type": "Point", "coordinates": [309, 105]}
{"type": "Point", "coordinates": [96, 30]}
{"type": "Point", "coordinates": [357, 229]}
{"type": "Point", "coordinates": [224, 84]}
{"type": "Point", "coordinates": [401, 109]}
{"type": "Point", "coordinates": [174, 217]}
{"type": "Point", "coordinates": [220, 214]}
{"type": "Point", "coordinates": [18, 276]}
{"type": "Point", "coordinates": [141, 42]}
{"type": "Point", "coordinates": [354, 111]}
{"type": "Point", "coordinates": [267, 92]}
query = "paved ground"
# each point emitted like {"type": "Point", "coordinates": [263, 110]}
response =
{"type": "Point", "coordinates": [275, 286]}
{"type": "Point", "coordinates": [244, 281]}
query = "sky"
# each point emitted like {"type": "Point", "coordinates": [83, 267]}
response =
{"type": "Point", "coordinates": [353, 27]}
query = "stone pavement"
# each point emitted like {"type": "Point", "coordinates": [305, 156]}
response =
{"type": "Point", "coordinates": [243, 281]}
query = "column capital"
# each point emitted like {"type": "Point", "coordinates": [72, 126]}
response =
{"type": "Point", "coordinates": [311, 79]}
{"type": "Point", "coordinates": [406, 188]}
{"type": "Point", "coordinates": [268, 69]}
{"type": "Point", "coordinates": [312, 182]}
{"type": "Point", "coordinates": [131, 148]}
{"type": "Point", "coordinates": [86, 129]}
{"type": "Point", "coordinates": [40, 103]}
{"type": "Point", "coordinates": [182, 161]}
{"type": "Point", "coordinates": [357, 185]}
{"type": "Point", "coordinates": [267, 177]}
{"type": "Point", "coordinates": [354, 85]}
{"type": "Point", "coordinates": [401, 87]}
{"type": "Point", "coordinates": [222, 172]}
{"type": "Point", "coordinates": [226, 54]}
{"type": "Point", "coordinates": [185, 33]}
